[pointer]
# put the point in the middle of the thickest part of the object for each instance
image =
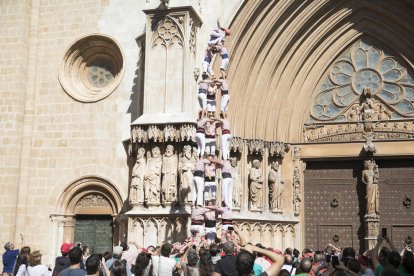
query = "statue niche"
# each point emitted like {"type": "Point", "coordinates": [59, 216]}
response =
{"type": "Point", "coordinates": [152, 177]}
{"type": "Point", "coordinates": [169, 175]}
{"type": "Point", "coordinates": [256, 185]}
{"type": "Point", "coordinates": [276, 186]}
{"type": "Point", "coordinates": [137, 193]}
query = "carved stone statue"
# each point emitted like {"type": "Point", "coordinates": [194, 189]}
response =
{"type": "Point", "coordinates": [256, 185]}
{"type": "Point", "coordinates": [367, 105]}
{"type": "Point", "coordinates": [152, 177]}
{"type": "Point", "coordinates": [186, 168]}
{"type": "Point", "coordinates": [137, 194]}
{"type": "Point", "coordinates": [296, 191]}
{"type": "Point", "coordinates": [237, 188]}
{"type": "Point", "coordinates": [370, 177]}
{"type": "Point", "coordinates": [169, 175]}
{"type": "Point", "coordinates": [276, 183]}
{"type": "Point", "coordinates": [369, 144]}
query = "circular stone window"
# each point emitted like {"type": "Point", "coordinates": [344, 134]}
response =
{"type": "Point", "coordinates": [92, 68]}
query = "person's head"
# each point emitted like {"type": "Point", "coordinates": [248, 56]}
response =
{"type": "Point", "coordinates": [305, 265]}
{"type": "Point", "coordinates": [65, 248]}
{"type": "Point", "coordinates": [117, 252]}
{"type": "Point", "coordinates": [394, 259]}
{"type": "Point", "coordinates": [187, 151]}
{"type": "Point", "coordinates": [354, 265]}
{"type": "Point", "coordinates": [142, 261]}
{"type": "Point", "coordinates": [124, 246]}
{"type": "Point", "coordinates": [296, 253]}
{"type": "Point", "coordinates": [166, 249]}
{"type": "Point", "coordinates": [8, 246]}
{"type": "Point", "coordinates": [204, 76]}
{"type": "Point", "coordinates": [206, 263]}
{"type": "Point", "coordinates": [214, 249]}
{"type": "Point", "coordinates": [288, 259]}
{"type": "Point", "coordinates": [85, 250]}
{"type": "Point", "coordinates": [228, 248]}
{"type": "Point", "coordinates": [288, 251]}
{"type": "Point", "coordinates": [210, 203]}
{"type": "Point", "coordinates": [92, 264]}
{"type": "Point", "coordinates": [383, 255]}
{"type": "Point", "coordinates": [284, 272]}
{"type": "Point", "coordinates": [25, 250]}
{"type": "Point", "coordinates": [192, 258]}
{"type": "Point", "coordinates": [233, 162]}
{"type": "Point", "coordinates": [256, 163]}
{"type": "Point", "coordinates": [35, 258]}
{"type": "Point", "coordinates": [75, 255]}
{"type": "Point", "coordinates": [107, 255]}
{"type": "Point", "coordinates": [118, 268]}
{"type": "Point", "coordinates": [244, 262]}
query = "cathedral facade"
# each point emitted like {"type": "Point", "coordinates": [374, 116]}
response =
{"type": "Point", "coordinates": [99, 120]}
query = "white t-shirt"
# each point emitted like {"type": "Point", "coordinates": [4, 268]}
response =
{"type": "Point", "coordinates": [39, 270]}
{"type": "Point", "coordinates": [166, 268]}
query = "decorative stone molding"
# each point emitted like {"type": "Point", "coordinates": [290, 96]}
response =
{"type": "Point", "coordinates": [297, 183]}
{"type": "Point", "coordinates": [160, 133]}
{"type": "Point", "coordinates": [92, 68]}
{"type": "Point", "coordinates": [168, 33]}
{"type": "Point", "coordinates": [278, 148]}
{"type": "Point", "coordinates": [92, 201]}
{"type": "Point", "coordinates": [355, 131]}
{"type": "Point", "coordinates": [236, 144]}
{"type": "Point", "coordinates": [255, 146]}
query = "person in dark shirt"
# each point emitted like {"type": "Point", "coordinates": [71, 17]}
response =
{"type": "Point", "coordinates": [75, 256]}
{"type": "Point", "coordinates": [63, 261]}
{"type": "Point", "coordinates": [9, 258]}
{"type": "Point", "coordinates": [227, 265]}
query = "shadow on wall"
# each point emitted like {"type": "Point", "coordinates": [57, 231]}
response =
{"type": "Point", "coordinates": [136, 107]}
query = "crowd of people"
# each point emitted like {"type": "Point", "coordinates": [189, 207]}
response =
{"type": "Point", "coordinates": [231, 255]}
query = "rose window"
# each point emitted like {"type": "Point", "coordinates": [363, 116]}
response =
{"type": "Point", "coordinates": [364, 66]}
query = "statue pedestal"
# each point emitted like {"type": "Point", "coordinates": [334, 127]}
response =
{"type": "Point", "coordinates": [371, 223]}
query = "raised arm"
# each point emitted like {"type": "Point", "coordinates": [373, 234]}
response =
{"type": "Point", "coordinates": [391, 243]}
{"type": "Point", "coordinates": [277, 259]}
{"type": "Point", "coordinates": [374, 253]}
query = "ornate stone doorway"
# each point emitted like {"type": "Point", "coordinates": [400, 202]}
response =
{"type": "Point", "coordinates": [90, 203]}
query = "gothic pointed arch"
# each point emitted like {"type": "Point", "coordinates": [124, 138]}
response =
{"type": "Point", "coordinates": [280, 50]}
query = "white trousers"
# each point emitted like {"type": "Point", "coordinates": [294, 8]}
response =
{"type": "Point", "coordinates": [227, 191]}
{"type": "Point", "coordinates": [207, 68]}
{"type": "Point", "coordinates": [210, 186]}
{"type": "Point", "coordinates": [225, 146]}
{"type": "Point", "coordinates": [197, 228]}
{"type": "Point", "coordinates": [224, 64]}
{"type": "Point", "coordinates": [202, 100]}
{"type": "Point", "coordinates": [211, 105]}
{"type": "Point", "coordinates": [198, 189]}
{"type": "Point", "coordinates": [225, 102]}
{"type": "Point", "coordinates": [201, 143]}
{"type": "Point", "coordinates": [211, 145]}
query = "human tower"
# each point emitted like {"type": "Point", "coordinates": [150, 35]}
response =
{"type": "Point", "coordinates": [210, 130]}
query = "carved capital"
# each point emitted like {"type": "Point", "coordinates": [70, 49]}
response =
{"type": "Point", "coordinates": [278, 148]}
{"type": "Point", "coordinates": [236, 144]}
{"type": "Point", "coordinates": [256, 146]}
